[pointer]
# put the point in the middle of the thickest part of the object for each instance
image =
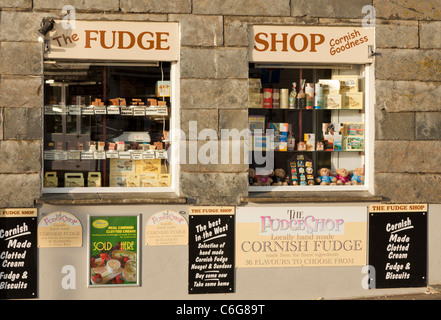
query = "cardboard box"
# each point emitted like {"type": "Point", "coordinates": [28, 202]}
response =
{"type": "Point", "coordinates": [309, 139]}
{"type": "Point", "coordinates": [256, 123]}
{"type": "Point", "coordinates": [133, 181]}
{"type": "Point", "coordinates": [164, 180]}
{"type": "Point", "coordinates": [50, 180]}
{"type": "Point", "coordinates": [333, 101]}
{"type": "Point", "coordinates": [73, 180]}
{"type": "Point", "coordinates": [148, 166]}
{"type": "Point", "coordinates": [94, 179]}
{"type": "Point", "coordinates": [330, 86]}
{"type": "Point", "coordinates": [118, 180]}
{"type": "Point", "coordinates": [353, 100]}
{"type": "Point", "coordinates": [149, 180]}
{"type": "Point", "coordinates": [122, 166]}
{"type": "Point", "coordinates": [348, 83]}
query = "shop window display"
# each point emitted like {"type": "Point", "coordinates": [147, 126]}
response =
{"type": "Point", "coordinates": [106, 125]}
{"type": "Point", "coordinates": [312, 119]}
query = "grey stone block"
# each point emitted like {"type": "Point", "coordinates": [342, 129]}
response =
{"type": "Point", "coordinates": [21, 91]}
{"type": "Point", "coordinates": [215, 63]}
{"type": "Point", "coordinates": [404, 96]}
{"type": "Point", "coordinates": [20, 156]}
{"type": "Point", "coordinates": [214, 188]}
{"type": "Point", "coordinates": [408, 9]}
{"type": "Point", "coordinates": [19, 190]}
{"type": "Point", "coordinates": [164, 6]}
{"type": "Point", "coordinates": [408, 64]}
{"type": "Point", "coordinates": [22, 123]}
{"type": "Point", "coordinates": [242, 7]}
{"type": "Point", "coordinates": [214, 156]}
{"type": "Point", "coordinates": [428, 126]}
{"type": "Point", "coordinates": [214, 93]}
{"type": "Point", "coordinates": [197, 30]}
{"type": "Point", "coordinates": [80, 5]}
{"type": "Point", "coordinates": [195, 120]}
{"type": "Point", "coordinates": [16, 4]}
{"type": "Point", "coordinates": [329, 9]}
{"type": "Point", "coordinates": [21, 58]}
{"type": "Point", "coordinates": [409, 187]}
{"type": "Point", "coordinates": [407, 156]}
{"type": "Point", "coordinates": [394, 126]}
{"type": "Point", "coordinates": [396, 34]}
{"type": "Point", "coordinates": [430, 34]}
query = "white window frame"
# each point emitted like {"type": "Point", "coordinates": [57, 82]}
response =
{"type": "Point", "coordinates": [173, 152]}
{"type": "Point", "coordinates": [369, 119]}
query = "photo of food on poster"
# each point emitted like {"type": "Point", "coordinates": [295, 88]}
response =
{"type": "Point", "coordinates": [113, 250]}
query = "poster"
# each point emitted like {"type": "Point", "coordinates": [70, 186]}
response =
{"type": "Point", "coordinates": [18, 253]}
{"type": "Point", "coordinates": [280, 237]}
{"type": "Point", "coordinates": [398, 245]}
{"type": "Point", "coordinates": [166, 228]}
{"type": "Point", "coordinates": [113, 253]}
{"type": "Point", "coordinates": [60, 230]}
{"type": "Point", "coordinates": [211, 250]}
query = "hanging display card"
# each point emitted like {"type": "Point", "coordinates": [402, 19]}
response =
{"type": "Point", "coordinates": [60, 230]}
{"type": "Point", "coordinates": [398, 245]}
{"type": "Point", "coordinates": [211, 250]}
{"type": "Point", "coordinates": [18, 248]}
{"type": "Point", "coordinates": [114, 251]}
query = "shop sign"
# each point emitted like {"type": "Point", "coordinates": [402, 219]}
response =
{"type": "Point", "coordinates": [113, 254]}
{"type": "Point", "coordinates": [398, 245]}
{"type": "Point", "coordinates": [304, 44]}
{"type": "Point", "coordinates": [18, 253]}
{"type": "Point", "coordinates": [270, 237]}
{"type": "Point", "coordinates": [60, 230]}
{"type": "Point", "coordinates": [166, 228]}
{"type": "Point", "coordinates": [115, 40]}
{"type": "Point", "coordinates": [211, 250]}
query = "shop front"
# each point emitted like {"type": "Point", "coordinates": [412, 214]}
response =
{"type": "Point", "coordinates": [135, 204]}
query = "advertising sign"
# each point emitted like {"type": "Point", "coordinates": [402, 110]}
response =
{"type": "Point", "coordinates": [18, 253]}
{"type": "Point", "coordinates": [60, 229]}
{"type": "Point", "coordinates": [300, 236]}
{"type": "Point", "coordinates": [304, 44]}
{"type": "Point", "coordinates": [211, 250]}
{"type": "Point", "coordinates": [166, 228]}
{"type": "Point", "coordinates": [398, 245]}
{"type": "Point", "coordinates": [114, 250]}
{"type": "Point", "coordinates": [115, 40]}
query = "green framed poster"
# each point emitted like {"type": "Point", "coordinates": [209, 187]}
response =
{"type": "Point", "coordinates": [113, 251]}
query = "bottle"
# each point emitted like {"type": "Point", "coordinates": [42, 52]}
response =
{"type": "Point", "coordinates": [301, 97]}
{"type": "Point", "coordinates": [291, 142]}
{"type": "Point", "coordinates": [292, 97]}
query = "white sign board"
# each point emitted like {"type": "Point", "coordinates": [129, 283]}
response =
{"type": "Point", "coordinates": [302, 44]}
{"type": "Point", "coordinates": [115, 40]}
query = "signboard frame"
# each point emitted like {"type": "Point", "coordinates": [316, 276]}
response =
{"type": "Point", "coordinates": [211, 250]}
{"type": "Point", "coordinates": [400, 259]}
{"type": "Point", "coordinates": [20, 280]}
{"type": "Point", "coordinates": [128, 253]}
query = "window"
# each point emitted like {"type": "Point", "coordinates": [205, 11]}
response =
{"type": "Point", "coordinates": [106, 126]}
{"type": "Point", "coordinates": [321, 141]}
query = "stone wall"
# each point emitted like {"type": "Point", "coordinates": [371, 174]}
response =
{"type": "Point", "coordinates": [214, 71]}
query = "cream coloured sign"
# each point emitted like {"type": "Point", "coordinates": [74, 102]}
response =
{"type": "Point", "coordinates": [304, 44]}
{"type": "Point", "coordinates": [115, 40]}
{"type": "Point", "coordinates": [166, 228]}
{"type": "Point", "coordinates": [60, 229]}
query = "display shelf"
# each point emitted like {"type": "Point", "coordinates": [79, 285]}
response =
{"type": "Point", "coordinates": [106, 110]}
{"type": "Point", "coordinates": [60, 155]}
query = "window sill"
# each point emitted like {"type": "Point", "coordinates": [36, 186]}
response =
{"type": "Point", "coordinates": [109, 198]}
{"type": "Point", "coordinates": [317, 196]}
